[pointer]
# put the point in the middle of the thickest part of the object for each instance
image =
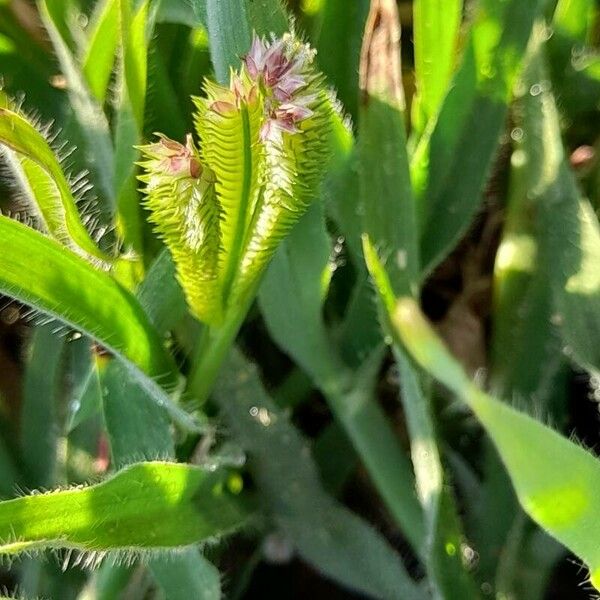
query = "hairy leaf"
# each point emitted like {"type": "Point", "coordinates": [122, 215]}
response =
{"type": "Point", "coordinates": [90, 118]}
{"type": "Point", "coordinates": [335, 541]}
{"type": "Point", "coordinates": [42, 273]}
{"type": "Point", "coordinates": [527, 357]}
{"type": "Point", "coordinates": [555, 479]}
{"type": "Point", "coordinates": [152, 505]}
{"type": "Point", "coordinates": [569, 229]}
{"type": "Point", "coordinates": [41, 177]}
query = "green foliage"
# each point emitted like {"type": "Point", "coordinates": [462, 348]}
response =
{"type": "Point", "coordinates": [329, 537]}
{"type": "Point", "coordinates": [448, 173]}
{"type": "Point", "coordinates": [436, 28]}
{"type": "Point", "coordinates": [567, 507]}
{"type": "Point", "coordinates": [145, 506]}
{"type": "Point", "coordinates": [67, 287]}
{"type": "Point", "coordinates": [409, 267]}
{"type": "Point", "coordinates": [42, 180]}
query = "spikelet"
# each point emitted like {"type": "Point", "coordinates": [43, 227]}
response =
{"type": "Point", "coordinates": [264, 147]}
{"type": "Point", "coordinates": [228, 122]}
{"type": "Point", "coordinates": [180, 195]}
{"type": "Point", "coordinates": [295, 168]}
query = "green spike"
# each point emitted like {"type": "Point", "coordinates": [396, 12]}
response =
{"type": "Point", "coordinates": [180, 195]}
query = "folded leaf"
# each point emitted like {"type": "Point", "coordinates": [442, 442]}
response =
{"type": "Point", "coordinates": [38, 172]}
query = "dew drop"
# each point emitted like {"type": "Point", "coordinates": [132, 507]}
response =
{"type": "Point", "coordinates": [516, 134]}
{"type": "Point", "coordinates": [535, 89]}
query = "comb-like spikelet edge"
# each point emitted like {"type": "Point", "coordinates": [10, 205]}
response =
{"type": "Point", "coordinates": [295, 168]}
{"type": "Point", "coordinates": [185, 215]}
{"type": "Point", "coordinates": [228, 125]}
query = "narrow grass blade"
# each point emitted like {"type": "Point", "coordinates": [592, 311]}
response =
{"type": "Point", "coordinates": [568, 227]}
{"type": "Point", "coordinates": [152, 505]}
{"type": "Point", "coordinates": [184, 12]}
{"type": "Point", "coordinates": [187, 575]}
{"type": "Point", "coordinates": [165, 93]}
{"type": "Point", "coordinates": [135, 30]}
{"type": "Point", "coordinates": [230, 24]}
{"type": "Point", "coordinates": [333, 540]}
{"type": "Point", "coordinates": [99, 57]}
{"type": "Point", "coordinates": [527, 358]}
{"type": "Point", "coordinates": [575, 19]}
{"type": "Point", "coordinates": [267, 17]}
{"type": "Point", "coordinates": [342, 26]}
{"type": "Point", "coordinates": [10, 475]}
{"type": "Point", "coordinates": [40, 410]}
{"type": "Point", "coordinates": [138, 429]}
{"type": "Point", "coordinates": [40, 272]}
{"type": "Point", "coordinates": [443, 556]}
{"type": "Point", "coordinates": [38, 172]}
{"type": "Point", "coordinates": [161, 296]}
{"type": "Point", "coordinates": [91, 120]}
{"type": "Point", "coordinates": [387, 201]}
{"type": "Point", "coordinates": [436, 26]}
{"type": "Point", "coordinates": [451, 163]}
{"type": "Point", "coordinates": [108, 581]}
{"type": "Point", "coordinates": [574, 64]}
{"type": "Point", "coordinates": [230, 34]}
{"type": "Point", "coordinates": [293, 290]}
{"type": "Point", "coordinates": [574, 272]}
{"type": "Point", "coordinates": [85, 397]}
{"type": "Point", "coordinates": [556, 480]}
{"type": "Point", "coordinates": [291, 299]}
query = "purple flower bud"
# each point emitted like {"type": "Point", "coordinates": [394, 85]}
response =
{"type": "Point", "coordinates": [281, 66]}
{"type": "Point", "coordinates": [168, 157]}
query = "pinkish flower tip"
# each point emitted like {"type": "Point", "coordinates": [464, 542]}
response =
{"type": "Point", "coordinates": [173, 158]}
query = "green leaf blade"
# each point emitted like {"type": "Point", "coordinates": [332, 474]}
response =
{"type": "Point", "coordinates": [387, 202]}
{"type": "Point", "coordinates": [436, 26]}
{"type": "Point", "coordinates": [99, 57]}
{"type": "Point", "coordinates": [451, 163]}
{"type": "Point", "coordinates": [147, 505]}
{"type": "Point", "coordinates": [67, 287]}
{"type": "Point", "coordinates": [327, 535]}
{"type": "Point", "coordinates": [230, 34]}
{"type": "Point", "coordinates": [88, 113]}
